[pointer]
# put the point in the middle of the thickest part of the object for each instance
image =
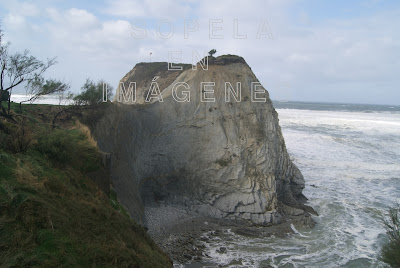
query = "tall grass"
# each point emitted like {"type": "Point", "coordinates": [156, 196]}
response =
{"type": "Point", "coordinates": [86, 131]}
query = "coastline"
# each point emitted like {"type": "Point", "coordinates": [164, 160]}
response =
{"type": "Point", "coordinates": [184, 235]}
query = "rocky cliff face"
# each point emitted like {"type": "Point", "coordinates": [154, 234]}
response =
{"type": "Point", "coordinates": [220, 159]}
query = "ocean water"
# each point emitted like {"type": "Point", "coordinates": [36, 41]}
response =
{"type": "Point", "coordinates": [349, 155]}
{"type": "Point", "coordinates": [350, 158]}
{"type": "Point", "coordinates": [47, 99]}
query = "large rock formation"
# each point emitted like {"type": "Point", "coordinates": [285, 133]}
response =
{"type": "Point", "coordinates": [220, 159]}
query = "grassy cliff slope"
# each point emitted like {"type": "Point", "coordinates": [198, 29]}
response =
{"type": "Point", "coordinates": [51, 213]}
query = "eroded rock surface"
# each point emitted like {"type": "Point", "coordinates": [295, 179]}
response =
{"type": "Point", "coordinates": [220, 159]}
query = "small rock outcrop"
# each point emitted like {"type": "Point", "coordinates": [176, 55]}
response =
{"type": "Point", "coordinates": [221, 159]}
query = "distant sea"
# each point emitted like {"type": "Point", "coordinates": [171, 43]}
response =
{"type": "Point", "coordinates": [48, 99]}
{"type": "Point", "coordinates": [345, 107]}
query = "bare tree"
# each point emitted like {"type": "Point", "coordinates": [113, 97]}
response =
{"type": "Point", "coordinates": [18, 68]}
{"type": "Point", "coordinates": [38, 87]}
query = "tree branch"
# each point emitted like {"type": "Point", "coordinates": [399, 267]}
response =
{"type": "Point", "coordinates": [19, 82]}
{"type": "Point", "coordinates": [2, 74]}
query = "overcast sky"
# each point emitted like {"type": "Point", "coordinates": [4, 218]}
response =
{"type": "Point", "coordinates": [330, 51]}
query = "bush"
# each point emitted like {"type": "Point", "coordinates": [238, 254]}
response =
{"type": "Point", "coordinates": [69, 147]}
{"type": "Point", "coordinates": [16, 137]}
{"type": "Point", "coordinates": [212, 52]}
{"type": "Point", "coordinates": [5, 95]}
{"type": "Point", "coordinates": [391, 250]}
{"type": "Point", "coordinates": [57, 146]}
{"type": "Point", "coordinates": [92, 93]}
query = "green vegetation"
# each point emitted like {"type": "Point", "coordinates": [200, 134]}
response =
{"type": "Point", "coordinates": [51, 213]}
{"type": "Point", "coordinates": [92, 93]}
{"type": "Point", "coordinates": [212, 52]}
{"type": "Point", "coordinates": [391, 250]}
{"type": "Point", "coordinates": [23, 68]}
{"type": "Point", "coordinates": [39, 87]}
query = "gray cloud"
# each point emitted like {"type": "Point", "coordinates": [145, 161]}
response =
{"type": "Point", "coordinates": [339, 60]}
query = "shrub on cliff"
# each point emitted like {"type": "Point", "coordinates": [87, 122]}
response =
{"type": "Point", "coordinates": [68, 147]}
{"type": "Point", "coordinates": [391, 250]}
